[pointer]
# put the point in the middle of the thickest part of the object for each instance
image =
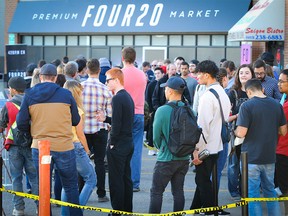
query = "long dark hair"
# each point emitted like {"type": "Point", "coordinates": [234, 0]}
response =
{"type": "Point", "coordinates": [237, 84]}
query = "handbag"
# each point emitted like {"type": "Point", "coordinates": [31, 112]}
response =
{"type": "Point", "coordinates": [225, 130]}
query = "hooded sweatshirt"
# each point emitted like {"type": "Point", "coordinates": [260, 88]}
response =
{"type": "Point", "coordinates": [52, 112]}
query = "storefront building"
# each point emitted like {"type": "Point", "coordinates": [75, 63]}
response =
{"type": "Point", "coordinates": [157, 29]}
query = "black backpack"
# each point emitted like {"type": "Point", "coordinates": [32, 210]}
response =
{"type": "Point", "coordinates": [184, 131]}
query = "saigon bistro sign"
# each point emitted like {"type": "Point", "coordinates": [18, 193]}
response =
{"type": "Point", "coordinates": [76, 16]}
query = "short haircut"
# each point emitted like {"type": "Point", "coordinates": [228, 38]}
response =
{"type": "Point", "coordinates": [41, 63]}
{"type": "Point", "coordinates": [159, 68]}
{"type": "Point", "coordinates": [254, 85]}
{"type": "Point", "coordinates": [167, 61]}
{"type": "Point", "coordinates": [71, 68]}
{"type": "Point", "coordinates": [285, 72]}
{"type": "Point", "coordinates": [229, 64]}
{"type": "Point", "coordinates": [129, 55]}
{"type": "Point", "coordinates": [185, 63]}
{"type": "Point", "coordinates": [81, 64]}
{"type": "Point", "coordinates": [259, 63]}
{"type": "Point", "coordinates": [48, 77]}
{"type": "Point", "coordinates": [65, 59]}
{"type": "Point", "coordinates": [168, 66]}
{"type": "Point", "coordinates": [179, 58]}
{"type": "Point", "coordinates": [116, 73]}
{"type": "Point", "coordinates": [56, 62]}
{"type": "Point", "coordinates": [208, 66]}
{"type": "Point", "coordinates": [221, 74]}
{"type": "Point", "coordinates": [93, 65]}
{"type": "Point", "coordinates": [145, 64]}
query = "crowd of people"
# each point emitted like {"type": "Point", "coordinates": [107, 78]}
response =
{"type": "Point", "coordinates": [92, 111]}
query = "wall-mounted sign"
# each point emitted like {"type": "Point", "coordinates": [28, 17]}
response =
{"type": "Point", "coordinates": [78, 16]}
{"type": "Point", "coordinates": [245, 54]}
{"type": "Point", "coordinates": [259, 24]}
{"type": "Point", "coordinates": [16, 60]}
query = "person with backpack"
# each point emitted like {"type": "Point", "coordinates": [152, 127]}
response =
{"type": "Point", "coordinates": [19, 151]}
{"type": "Point", "coordinates": [168, 168]}
{"type": "Point", "coordinates": [210, 120]}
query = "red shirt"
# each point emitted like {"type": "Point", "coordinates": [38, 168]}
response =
{"type": "Point", "coordinates": [282, 146]}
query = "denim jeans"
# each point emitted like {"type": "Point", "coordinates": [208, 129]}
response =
{"type": "Point", "coordinates": [222, 158]}
{"type": "Point", "coordinates": [86, 170]}
{"type": "Point", "coordinates": [136, 161]}
{"type": "Point", "coordinates": [262, 175]}
{"type": "Point", "coordinates": [234, 175]}
{"type": "Point", "coordinates": [165, 172]}
{"type": "Point", "coordinates": [21, 158]}
{"type": "Point", "coordinates": [66, 166]}
{"type": "Point", "coordinates": [98, 143]}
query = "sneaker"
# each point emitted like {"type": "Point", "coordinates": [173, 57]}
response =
{"type": "Point", "coordinates": [152, 153]}
{"type": "Point", "coordinates": [136, 189]}
{"type": "Point", "coordinates": [18, 212]}
{"type": "Point", "coordinates": [103, 199]}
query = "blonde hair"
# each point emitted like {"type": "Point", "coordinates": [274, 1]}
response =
{"type": "Point", "coordinates": [76, 89]}
{"type": "Point", "coordinates": [35, 77]}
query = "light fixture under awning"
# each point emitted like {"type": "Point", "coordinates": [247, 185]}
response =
{"type": "Point", "coordinates": [263, 22]}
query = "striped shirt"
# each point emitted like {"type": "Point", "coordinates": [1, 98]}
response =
{"type": "Point", "coordinates": [96, 96]}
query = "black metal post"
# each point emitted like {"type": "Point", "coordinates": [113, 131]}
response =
{"type": "Point", "coordinates": [215, 185]}
{"type": "Point", "coordinates": [244, 181]}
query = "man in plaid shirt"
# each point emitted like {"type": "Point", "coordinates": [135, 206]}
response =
{"type": "Point", "coordinates": [96, 97]}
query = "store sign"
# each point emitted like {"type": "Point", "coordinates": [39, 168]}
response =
{"type": "Point", "coordinates": [128, 16]}
{"type": "Point", "coordinates": [16, 60]}
{"type": "Point", "coordinates": [259, 25]}
{"type": "Point", "coordinates": [245, 54]}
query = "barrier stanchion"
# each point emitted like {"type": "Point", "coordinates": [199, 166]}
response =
{"type": "Point", "coordinates": [215, 185]}
{"type": "Point", "coordinates": [44, 177]}
{"type": "Point", "coordinates": [244, 181]}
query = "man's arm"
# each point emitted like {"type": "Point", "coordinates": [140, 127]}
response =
{"type": "Point", "coordinates": [4, 119]}
{"type": "Point", "coordinates": [155, 97]}
{"type": "Point", "coordinates": [241, 131]}
{"type": "Point", "coordinates": [23, 117]}
{"type": "Point", "coordinates": [283, 130]}
{"type": "Point", "coordinates": [157, 129]}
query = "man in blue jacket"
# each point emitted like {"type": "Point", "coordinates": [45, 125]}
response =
{"type": "Point", "coordinates": [52, 112]}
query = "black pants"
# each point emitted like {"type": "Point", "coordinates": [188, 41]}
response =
{"type": "Point", "coordinates": [203, 196]}
{"type": "Point", "coordinates": [98, 143]}
{"type": "Point", "coordinates": [120, 183]}
{"type": "Point", "coordinates": [281, 174]}
{"type": "Point", "coordinates": [150, 130]}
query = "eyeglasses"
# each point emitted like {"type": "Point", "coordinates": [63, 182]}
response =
{"type": "Point", "coordinates": [107, 80]}
{"type": "Point", "coordinates": [153, 65]}
{"type": "Point", "coordinates": [259, 73]}
{"type": "Point", "coordinates": [282, 81]}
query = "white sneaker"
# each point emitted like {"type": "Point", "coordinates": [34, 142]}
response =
{"type": "Point", "coordinates": [152, 153]}
{"type": "Point", "coordinates": [18, 212]}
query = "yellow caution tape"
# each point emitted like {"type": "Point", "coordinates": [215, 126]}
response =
{"type": "Point", "coordinates": [243, 202]}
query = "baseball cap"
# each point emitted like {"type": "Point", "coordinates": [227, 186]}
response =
{"type": "Point", "coordinates": [48, 69]}
{"type": "Point", "coordinates": [175, 82]}
{"type": "Point", "coordinates": [18, 83]}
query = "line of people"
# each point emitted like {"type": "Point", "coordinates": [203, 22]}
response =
{"type": "Point", "coordinates": [87, 117]}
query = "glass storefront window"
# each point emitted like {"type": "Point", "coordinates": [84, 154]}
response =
{"type": "Point", "coordinates": [60, 40]}
{"type": "Point", "coordinates": [114, 40]}
{"type": "Point", "coordinates": [189, 40]}
{"type": "Point", "coordinates": [234, 54]}
{"type": "Point", "coordinates": [203, 40]}
{"type": "Point", "coordinates": [142, 40]}
{"type": "Point", "coordinates": [210, 53]}
{"type": "Point", "coordinates": [27, 40]}
{"type": "Point", "coordinates": [218, 40]}
{"type": "Point", "coordinates": [37, 40]}
{"type": "Point", "coordinates": [159, 40]}
{"type": "Point", "coordinates": [72, 40]}
{"type": "Point", "coordinates": [98, 41]}
{"type": "Point", "coordinates": [49, 40]}
{"type": "Point", "coordinates": [128, 40]}
{"type": "Point", "coordinates": [175, 40]}
{"type": "Point", "coordinates": [187, 53]}
{"type": "Point", "coordinates": [84, 40]}
{"type": "Point", "coordinates": [233, 43]}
